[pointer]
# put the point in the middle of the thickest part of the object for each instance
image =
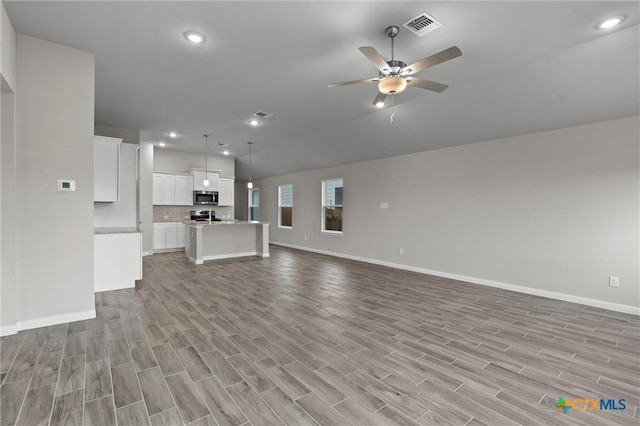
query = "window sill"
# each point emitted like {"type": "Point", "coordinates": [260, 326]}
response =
{"type": "Point", "coordinates": [285, 227]}
{"type": "Point", "coordinates": [333, 233]}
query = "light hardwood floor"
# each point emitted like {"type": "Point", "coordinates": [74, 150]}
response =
{"type": "Point", "coordinates": [306, 339]}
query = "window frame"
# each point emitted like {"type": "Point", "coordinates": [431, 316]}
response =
{"type": "Point", "coordinates": [250, 205]}
{"type": "Point", "coordinates": [323, 229]}
{"type": "Point", "coordinates": [280, 206]}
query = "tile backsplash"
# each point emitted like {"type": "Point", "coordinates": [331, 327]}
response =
{"type": "Point", "coordinates": [180, 213]}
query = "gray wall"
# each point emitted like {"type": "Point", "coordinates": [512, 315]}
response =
{"type": "Point", "coordinates": [554, 211]}
{"type": "Point", "coordinates": [145, 195]}
{"type": "Point", "coordinates": [8, 288]}
{"type": "Point", "coordinates": [165, 160]}
{"type": "Point", "coordinates": [121, 213]}
{"type": "Point", "coordinates": [127, 135]}
{"type": "Point", "coordinates": [54, 124]}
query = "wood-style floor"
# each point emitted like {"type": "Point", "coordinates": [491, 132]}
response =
{"type": "Point", "coordinates": [302, 338]}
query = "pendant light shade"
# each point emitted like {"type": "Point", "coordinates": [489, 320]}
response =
{"type": "Point", "coordinates": [392, 85]}
{"type": "Point", "coordinates": [206, 161]}
{"type": "Point", "coordinates": [250, 183]}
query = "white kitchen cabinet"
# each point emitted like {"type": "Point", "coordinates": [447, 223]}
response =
{"type": "Point", "coordinates": [168, 235]}
{"type": "Point", "coordinates": [225, 191]}
{"type": "Point", "coordinates": [117, 260]}
{"type": "Point", "coordinates": [106, 156]}
{"type": "Point", "coordinates": [198, 181]}
{"type": "Point", "coordinates": [171, 238]}
{"type": "Point", "coordinates": [181, 236]}
{"type": "Point", "coordinates": [157, 189]}
{"type": "Point", "coordinates": [172, 189]}
{"type": "Point", "coordinates": [183, 190]}
{"type": "Point", "coordinates": [159, 238]}
{"type": "Point", "coordinates": [168, 190]}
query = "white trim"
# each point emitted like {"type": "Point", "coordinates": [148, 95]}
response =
{"type": "Point", "coordinates": [47, 321]}
{"type": "Point", "coordinates": [332, 233]}
{"type": "Point", "coordinates": [147, 253]}
{"type": "Point", "coordinates": [6, 330]}
{"type": "Point", "coordinates": [627, 309]}
{"type": "Point", "coordinates": [227, 256]}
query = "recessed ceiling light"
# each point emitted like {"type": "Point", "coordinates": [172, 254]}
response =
{"type": "Point", "coordinates": [380, 104]}
{"type": "Point", "coordinates": [194, 37]}
{"type": "Point", "coordinates": [225, 152]}
{"type": "Point", "coordinates": [161, 144]}
{"type": "Point", "coordinates": [173, 134]}
{"type": "Point", "coordinates": [605, 24]}
{"type": "Point", "coordinates": [254, 122]}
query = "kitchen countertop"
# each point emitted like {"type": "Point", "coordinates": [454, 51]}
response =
{"type": "Point", "coordinates": [223, 223]}
{"type": "Point", "coordinates": [116, 230]}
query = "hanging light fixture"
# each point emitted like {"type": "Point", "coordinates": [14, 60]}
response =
{"type": "Point", "coordinates": [250, 183]}
{"type": "Point", "coordinates": [206, 161]}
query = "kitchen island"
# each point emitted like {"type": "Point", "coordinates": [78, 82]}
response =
{"type": "Point", "coordinates": [226, 239]}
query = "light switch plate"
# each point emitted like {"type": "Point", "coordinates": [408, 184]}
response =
{"type": "Point", "coordinates": [384, 206]}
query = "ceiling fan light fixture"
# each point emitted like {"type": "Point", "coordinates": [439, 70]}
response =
{"type": "Point", "coordinates": [392, 85]}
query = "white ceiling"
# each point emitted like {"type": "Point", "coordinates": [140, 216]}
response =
{"type": "Point", "coordinates": [526, 67]}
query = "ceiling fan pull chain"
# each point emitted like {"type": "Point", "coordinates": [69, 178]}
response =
{"type": "Point", "coordinates": [393, 113]}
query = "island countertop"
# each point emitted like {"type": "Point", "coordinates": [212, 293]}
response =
{"type": "Point", "coordinates": [223, 223]}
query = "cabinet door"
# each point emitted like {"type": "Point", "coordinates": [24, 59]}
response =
{"type": "Point", "coordinates": [198, 181]}
{"type": "Point", "coordinates": [168, 190]}
{"type": "Point", "coordinates": [171, 238]}
{"type": "Point", "coordinates": [184, 191]}
{"type": "Point", "coordinates": [181, 237]}
{"type": "Point", "coordinates": [213, 182]}
{"type": "Point", "coordinates": [225, 192]}
{"type": "Point", "coordinates": [106, 152]}
{"type": "Point", "coordinates": [159, 239]}
{"type": "Point", "coordinates": [157, 189]}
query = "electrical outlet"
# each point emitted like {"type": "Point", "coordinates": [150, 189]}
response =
{"type": "Point", "coordinates": [166, 217]}
{"type": "Point", "coordinates": [614, 281]}
{"type": "Point", "coordinates": [401, 252]}
{"type": "Point", "coordinates": [384, 206]}
{"type": "Point", "coordinates": [305, 238]}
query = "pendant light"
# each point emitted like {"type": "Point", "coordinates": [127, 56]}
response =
{"type": "Point", "coordinates": [250, 183]}
{"type": "Point", "coordinates": [206, 161]}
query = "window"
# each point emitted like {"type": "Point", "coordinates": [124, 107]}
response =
{"type": "Point", "coordinates": [254, 204]}
{"type": "Point", "coordinates": [332, 206]}
{"type": "Point", "coordinates": [285, 206]}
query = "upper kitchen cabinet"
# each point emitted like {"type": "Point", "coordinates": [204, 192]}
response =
{"type": "Point", "coordinates": [225, 191]}
{"type": "Point", "coordinates": [106, 153]}
{"type": "Point", "coordinates": [200, 176]}
{"type": "Point", "coordinates": [172, 189]}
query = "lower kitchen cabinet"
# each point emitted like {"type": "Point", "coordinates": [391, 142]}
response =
{"type": "Point", "coordinates": [168, 235]}
{"type": "Point", "coordinates": [117, 260]}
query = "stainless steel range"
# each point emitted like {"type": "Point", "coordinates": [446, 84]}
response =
{"type": "Point", "coordinates": [204, 215]}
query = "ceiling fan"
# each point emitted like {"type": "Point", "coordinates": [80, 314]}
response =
{"type": "Point", "coordinates": [395, 75]}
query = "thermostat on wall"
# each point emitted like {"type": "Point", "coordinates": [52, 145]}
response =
{"type": "Point", "coordinates": [66, 185]}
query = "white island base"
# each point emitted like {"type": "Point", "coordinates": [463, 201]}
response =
{"type": "Point", "coordinates": [227, 239]}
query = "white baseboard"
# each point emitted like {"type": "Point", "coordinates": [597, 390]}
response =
{"type": "Point", "coordinates": [6, 330]}
{"type": "Point", "coordinates": [56, 319]}
{"type": "Point", "coordinates": [230, 255]}
{"type": "Point", "coordinates": [617, 307]}
{"type": "Point", "coordinates": [147, 253]}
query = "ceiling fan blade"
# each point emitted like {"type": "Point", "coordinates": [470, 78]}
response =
{"type": "Point", "coordinates": [346, 83]}
{"type": "Point", "coordinates": [380, 98]}
{"type": "Point", "coordinates": [429, 61]}
{"type": "Point", "coordinates": [426, 84]}
{"type": "Point", "coordinates": [375, 57]}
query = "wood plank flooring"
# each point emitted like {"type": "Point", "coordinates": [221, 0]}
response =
{"type": "Point", "coordinates": [307, 339]}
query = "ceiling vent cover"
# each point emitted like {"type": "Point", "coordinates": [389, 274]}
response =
{"type": "Point", "coordinates": [422, 24]}
{"type": "Point", "coordinates": [262, 114]}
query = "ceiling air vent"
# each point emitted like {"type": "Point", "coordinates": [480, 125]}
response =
{"type": "Point", "coordinates": [262, 114]}
{"type": "Point", "coordinates": [422, 24]}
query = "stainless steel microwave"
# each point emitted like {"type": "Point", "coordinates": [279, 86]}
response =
{"type": "Point", "coordinates": [205, 197]}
